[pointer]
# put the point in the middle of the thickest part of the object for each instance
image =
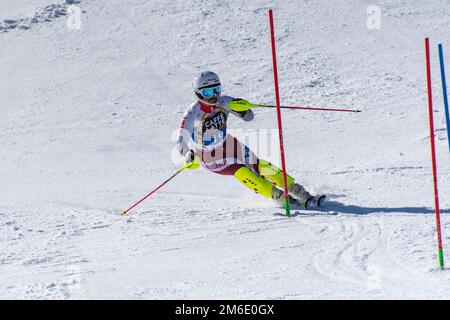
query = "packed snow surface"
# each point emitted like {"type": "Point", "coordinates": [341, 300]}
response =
{"type": "Point", "coordinates": [88, 125]}
{"type": "Point", "coordinates": [16, 8]}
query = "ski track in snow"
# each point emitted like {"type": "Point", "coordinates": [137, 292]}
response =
{"type": "Point", "coordinates": [87, 130]}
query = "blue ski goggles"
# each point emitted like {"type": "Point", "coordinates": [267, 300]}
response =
{"type": "Point", "coordinates": [210, 92]}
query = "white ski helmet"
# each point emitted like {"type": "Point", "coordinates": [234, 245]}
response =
{"type": "Point", "coordinates": [207, 87]}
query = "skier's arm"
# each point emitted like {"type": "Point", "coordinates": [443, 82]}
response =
{"type": "Point", "coordinates": [245, 115]}
{"type": "Point", "coordinates": [184, 142]}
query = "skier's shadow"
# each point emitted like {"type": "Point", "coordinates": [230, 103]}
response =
{"type": "Point", "coordinates": [335, 207]}
{"type": "Point", "coordinates": [359, 210]}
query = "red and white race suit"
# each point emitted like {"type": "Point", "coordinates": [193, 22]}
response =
{"type": "Point", "coordinates": [204, 130]}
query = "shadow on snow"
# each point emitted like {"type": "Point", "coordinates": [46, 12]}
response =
{"type": "Point", "coordinates": [335, 207]}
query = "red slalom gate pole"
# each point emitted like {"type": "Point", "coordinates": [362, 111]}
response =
{"type": "Point", "coordinates": [433, 155]}
{"type": "Point", "coordinates": [280, 126]}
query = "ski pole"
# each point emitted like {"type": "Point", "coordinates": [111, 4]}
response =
{"type": "Point", "coordinates": [306, 108]}
{"type": "Point", "coordinates": [243, 105]}
{"type": "Point", "coordinates": [186, 165]}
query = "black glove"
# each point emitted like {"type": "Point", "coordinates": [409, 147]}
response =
{"type": "Point", "coordinates": [191, 160]}
{"type": "Point", "coordinates": [189, 156]}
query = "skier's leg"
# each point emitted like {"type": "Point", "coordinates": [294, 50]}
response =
{"type": "Point", "coordinates": [275, 175]}
{"type": "Point", "coordinates": [254, 182]}
{"type": "Point", "coordinates": [235, 158]}
{"type": "Point", "coordinates": [260, 185]}
{"type": "Point", "coordinates": [248, 178]}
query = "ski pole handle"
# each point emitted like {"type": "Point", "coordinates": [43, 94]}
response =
{"type": "Point", "coordinates": [240, 105]}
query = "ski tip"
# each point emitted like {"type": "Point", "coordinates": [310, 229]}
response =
{"type": "Point", "coordinates": [124, 213]}
{"type": "Point", "coordinates": [357, 110]}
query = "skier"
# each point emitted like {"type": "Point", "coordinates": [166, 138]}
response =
{"type": "Point", "coordinates": [203, 139]}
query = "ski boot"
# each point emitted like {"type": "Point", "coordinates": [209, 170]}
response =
{"type": "Point", "coordinates": [319, 200]}
{"type": "Point", "coordinates": [275, 175]}
{"type": "Point", "coordinates": [301, 194]}
{"type": "Point", "coordinates": [278, 196]}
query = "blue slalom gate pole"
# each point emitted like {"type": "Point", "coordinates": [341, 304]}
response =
{"type": "Point", "coordinates": [444, 92]}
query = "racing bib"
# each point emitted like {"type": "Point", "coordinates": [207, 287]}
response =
{"type": "Point", "coordinates": [212, 129]}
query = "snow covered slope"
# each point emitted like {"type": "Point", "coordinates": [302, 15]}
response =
{"type": "Point", "coordinates": [87, 127]}
{"type": "Point", "coordinates": [14, 9]}
{"type": "Point", "coordinates": [26, 17]}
